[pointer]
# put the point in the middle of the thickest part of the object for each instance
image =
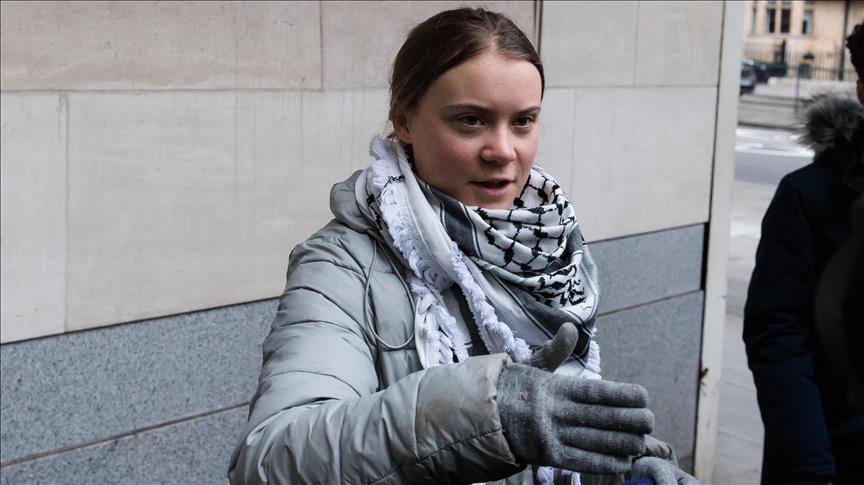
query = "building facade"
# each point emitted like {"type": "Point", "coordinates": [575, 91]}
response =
{"type": "Point", "coordinates": [161, 159]}
{"type": "Point", "coordinates": [785, 31]}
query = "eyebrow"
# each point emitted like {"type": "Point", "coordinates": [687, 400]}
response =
{"type": "Point", "coordinates": [482, 109]}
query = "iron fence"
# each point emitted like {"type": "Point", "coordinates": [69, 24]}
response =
{"type": "Point", "coordinates": [778, 59]}
{"type": "Point", "coordinates": [786, 76]}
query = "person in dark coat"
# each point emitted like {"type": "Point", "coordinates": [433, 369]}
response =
{"type": "Point", "coordinates": [812, 433]}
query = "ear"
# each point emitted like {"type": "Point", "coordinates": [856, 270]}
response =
{"type": "Point", "coordinates": [401, 125]}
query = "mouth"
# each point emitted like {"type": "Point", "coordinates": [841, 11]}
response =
{"type": "Point", "coordinates": [492, 184]}
{"type": "Point", "coordinates": [493, 191]}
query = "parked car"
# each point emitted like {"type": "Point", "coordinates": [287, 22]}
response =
{"type": "Point", "coordinates": [762, 69]}
{"type": "Point", "coordinates": [748, 79]}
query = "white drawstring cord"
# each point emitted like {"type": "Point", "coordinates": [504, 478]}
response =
{"type": "Point", "coordinates": [366, 304]}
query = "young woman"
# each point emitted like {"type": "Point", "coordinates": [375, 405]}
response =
{"type": "Point", "coordinates": [405, 347]}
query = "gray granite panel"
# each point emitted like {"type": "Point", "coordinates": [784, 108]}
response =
{"type": "Point", "coordinates": [639, 269]}
{"type": "Point", "coordinates": [190, 452]}
{"type": "Point", "coordinates": [79, 388]}
{"type": "Point", "coordinates": [657, 345]}
{"type": "Point", "coordinates": [87, 386]}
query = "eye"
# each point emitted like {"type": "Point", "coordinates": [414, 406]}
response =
{"type": "Point", "coordinates": [470, 120]}
{"type": "Point", "coordinates": [524, 121]}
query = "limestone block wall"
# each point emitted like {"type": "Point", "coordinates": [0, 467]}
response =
{"type": "Point", "coordinates": [178, 150]}
{"type": "Point", "coordinates": [630, 110]}
{"type": "Point", "coordinates": [161, 159]}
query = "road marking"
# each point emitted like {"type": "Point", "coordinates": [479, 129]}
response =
{"type": "Point", "coordinates": [767, 134]}
{"type": "Point", "coordinates": [773, 143]}
{"type": "Point", "coordinates": [738, 228]}
{"type": "Point", "coordinates": [759, 149]}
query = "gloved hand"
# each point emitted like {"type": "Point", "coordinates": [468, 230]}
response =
{"type": "Point", "coordinates": [565, 422]}
{"type": "Point", "coordinates": [555, 352]}
{"type": "Point", "coordinates": [660, 464]}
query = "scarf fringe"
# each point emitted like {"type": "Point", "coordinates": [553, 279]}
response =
{"type": "Point", "coordinates": [424, 299]}
{"type": "Point", "coordinates": [400, 229]}
{"type": "Point", "coordinates": [444, 342]}
{"type": "Point", "coordinates": [592, 366]}
{"type": "Point", "coordinates": [484, 314]}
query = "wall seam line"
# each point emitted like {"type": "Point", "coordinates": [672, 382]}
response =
{"type": "Point", "coordinates": [321, 44]}
{"type": "Point", "coordinates": [636, 47]}
{"type": "Point", "coordinates": [538, 24]}
{"type": "Point", "coordinates": [64, 99]}
{"type": "Point", "coordinates": [128, 434]}
{"type": "Point", "coordinates": [648, 233]}
{"type": "Point", "coordinates": [573, 142]}
{"type": "Point", "coordinates": [717, 241]}
{"type": "Point", "coordinates": [232, 90]}
{"type": "Point", "coordinates": [652, 302]}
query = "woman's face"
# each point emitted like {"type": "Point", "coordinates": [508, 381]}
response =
{"type": "Point", "coordinates": [475, 130]}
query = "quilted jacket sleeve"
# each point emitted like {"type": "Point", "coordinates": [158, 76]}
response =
{"type": "Point", "coordinates": [318, 416]}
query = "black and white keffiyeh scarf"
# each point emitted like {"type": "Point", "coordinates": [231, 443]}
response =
{"type": "Point", "coordinates": [524, 271]}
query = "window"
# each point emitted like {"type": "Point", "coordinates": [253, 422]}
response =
{"type": "Point", "coordinates": [770, 13]}
{"type": "Point", "coordinates": [753, 21]}
{"type": "Point", "coordinates": [785, 20]}
{"type": "Point", "coordinates": [807, 22]}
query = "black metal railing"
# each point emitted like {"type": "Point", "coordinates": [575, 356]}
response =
{"type": "Point", "coordinates": [826, 65]}
{"type": "Point", "coordinates": [790, 76]}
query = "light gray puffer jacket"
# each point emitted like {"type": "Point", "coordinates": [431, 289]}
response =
{"type": "Point", "coordinates": [333, 405]}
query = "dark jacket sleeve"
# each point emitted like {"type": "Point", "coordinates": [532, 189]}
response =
{"type": "Point", "coordinates": [778, 333]}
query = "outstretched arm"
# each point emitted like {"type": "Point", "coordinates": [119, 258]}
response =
{"type": "Point", "coordinates": [318, 417]}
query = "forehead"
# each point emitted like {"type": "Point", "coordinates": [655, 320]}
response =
{"type": "Point", "coordinates": [489, 79]}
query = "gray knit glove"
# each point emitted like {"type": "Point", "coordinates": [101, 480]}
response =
{"type": "Point", "coordinates": [660, 464]}
{"type": "Point", "coordinates": [555, 352]}
{"type": "Point", "coordinates": [566, 422]}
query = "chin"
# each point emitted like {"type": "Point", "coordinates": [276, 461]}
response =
{"type": "Point", "coordinates": [488, 201]}
{"type": "Point", "coordinates": [495, 205]}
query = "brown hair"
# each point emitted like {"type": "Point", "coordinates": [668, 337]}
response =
{"type": "Point", "coordinates": [855, 43]}
{"type": "Point", "coordinates": [446, 40]}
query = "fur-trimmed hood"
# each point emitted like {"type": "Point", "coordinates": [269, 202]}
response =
{"type": "Point", "coordinates": [834, 128]}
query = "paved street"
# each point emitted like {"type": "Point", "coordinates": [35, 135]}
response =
{"type": "Point", "coordinates": [762, 158]}
{"type": "Point", "coordinates": [767, 112]}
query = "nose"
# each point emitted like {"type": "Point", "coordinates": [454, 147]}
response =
{"type": "Point", "coordinates": [498, 148]}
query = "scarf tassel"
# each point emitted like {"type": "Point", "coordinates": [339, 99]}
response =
{"type": "Point", "coordinates": [484, 313]}
{"type": "Point", "coordinates": [592, 366]}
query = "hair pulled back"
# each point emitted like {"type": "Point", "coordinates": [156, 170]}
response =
{"type": "Point", "coordinates": [446, 40]}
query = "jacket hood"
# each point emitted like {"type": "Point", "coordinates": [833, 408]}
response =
{"type": "Point", "coordinates": [831, 120]}
{"type": "Point", "coordinates": [343, 205]}
{"type": "Point", "coordinates": [834, 128]}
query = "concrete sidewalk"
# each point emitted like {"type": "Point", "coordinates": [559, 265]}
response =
{"type": "Point", "coordinates": [762, 158]}
{"type": "Point", "coordinates": [740, 433]}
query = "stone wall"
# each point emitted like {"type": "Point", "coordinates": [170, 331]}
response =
{"type": "Point", "coordinates": [161, 159]}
